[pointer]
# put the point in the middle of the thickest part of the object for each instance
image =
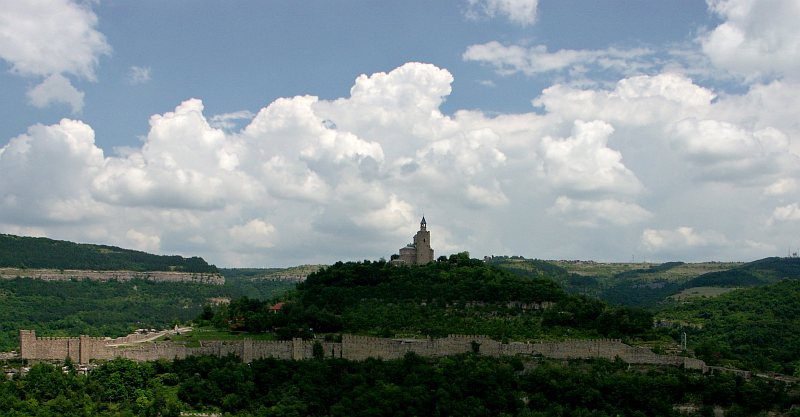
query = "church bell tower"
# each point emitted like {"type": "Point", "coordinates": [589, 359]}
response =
{"type": "Point", "coordinates": [422, 242]}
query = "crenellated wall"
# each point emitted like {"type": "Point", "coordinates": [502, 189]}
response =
{"type": "Point", "coordinates": [49, 348]}
{"type": "Point", "coordinates": [84, 349]}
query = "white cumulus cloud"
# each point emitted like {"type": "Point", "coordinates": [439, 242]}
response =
{"type": "Point", "coordinates": [584, 164]}
{"type": "Point", "coordinates": [46, 175]}
{"type": "Point", "coordinates": [307, 179]}
{"type": "Point", "coordinates": [45, 37]}
{"type": "Point", "coordinates": [51, 38]}
{"type": "Point", "coordinates": [756, 38]}
{"type": "Point", "coordinates": [722, 151]}
{"type": "Point", "coordinates": [184, 163]}
{"type": "Point", "coordinates": [790, 212]}
{"type": "Point", "coordinates": [638, 100]}
{"type": "Point", "coordinates": [56, 89]}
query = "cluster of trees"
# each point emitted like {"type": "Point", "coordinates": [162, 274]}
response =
{"type": "Point", "coordinates": [465, 385]}
{"type": "Point", "coordinates": [117, 388]}
{"type": "Point", "coordinates": [455, 295]}
{"type": "Point", "coordinates": [39, 252]}
{"type": "Point", "coordinates": [641, 293]}
{"type": "Point", "coordinates": [458, 279]}
{"type": "Point", "coordinates": [754, 328]}
{"type": "Point", "coordinates": [71, 308]}
{"type": "Point", "coordinates": [589, 313]}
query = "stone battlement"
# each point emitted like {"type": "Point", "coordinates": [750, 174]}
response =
{"type": "Point", "coordinates": [353, 347]}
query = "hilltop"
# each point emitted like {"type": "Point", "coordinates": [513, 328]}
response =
{"type": "Point", "coordinates": [455, 295]}
{"type": "Point", "coordinates": [44, 253]}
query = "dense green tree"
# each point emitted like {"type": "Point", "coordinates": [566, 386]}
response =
{"type": "Point", "coordinates": [120, 380]}
{"type": "Point", "coordinates": [754, 328]}
{"type": "Point", "coordinates": [466, 385]}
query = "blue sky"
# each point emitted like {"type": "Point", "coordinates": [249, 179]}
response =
{"type": "Point", "coordinates": [243, 57]}
{"type": "Point", "coordinates": [276, 133]}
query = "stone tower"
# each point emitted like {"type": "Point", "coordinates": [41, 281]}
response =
{"type": "Point", "coordinates": [422, 241]}
{"type": "Point", "coordinates": [27, 341]}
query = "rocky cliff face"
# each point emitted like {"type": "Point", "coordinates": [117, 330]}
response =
{"type": "Point", "coordinates": [70, 274]}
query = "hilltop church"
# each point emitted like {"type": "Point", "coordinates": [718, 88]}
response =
{"type": "Point", "coordinates": [419, 252]}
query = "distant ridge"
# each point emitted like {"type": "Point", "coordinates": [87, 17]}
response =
{"type": "Point", "coordinates": [761, 272]}
{"type": "Point", "coordinates": [40, 252]}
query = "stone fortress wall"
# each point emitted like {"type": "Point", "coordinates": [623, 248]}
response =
{"type": "Point", "coordinates": [84, 349]}
{"type": "Point", "coordinates": [69, 274]}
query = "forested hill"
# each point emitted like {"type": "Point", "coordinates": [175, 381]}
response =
{"type": "Point", "coordinates": [39, 252]}
{"type": "Point", "coordinates": [756, 328]}
{"type": "Point", "coordinates": [756, 273]}
{"type": "Point", "coordinates": [457, 295]}
{"type": "Point", "coordinates": [459, 280]}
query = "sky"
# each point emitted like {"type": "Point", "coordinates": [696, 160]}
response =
{"type": "Point", "coordinates": [277, 133]}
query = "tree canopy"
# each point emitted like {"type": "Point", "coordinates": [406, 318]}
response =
{"type": "Point", "coordinates": [462, 385]}
{"type": "Point", "coordinates": [40, 252]}
{"type": "Point", "coordinates": [756, 328]}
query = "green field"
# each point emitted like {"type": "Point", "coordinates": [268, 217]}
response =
{"type": "Point", "coordinates": [611, 270]}
{"type": "Point", "coordinates": [700, 292]}
{"type": "Point", "coordinates": [198, 334]}
{"type": "Point", "coordinates": [599, 269]}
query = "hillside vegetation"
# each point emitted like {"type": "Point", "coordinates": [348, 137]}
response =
{"type": "Point", "coordinates": [651, 285]}
{"type": "Point", "coordinates": [745, 315]}
{"type": "Point", "coordinates": [756, 328]}
{"type": "Point", "coordinates": [653, 289]}
{"type": "Point", "coordinates": [40, 252]}
{"type": "Point", "coordinates": [113, 308]}
{"type": "Point", "coordinates": [760, 272]}
{"type": "Point", "coordinates": [458, 295]}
